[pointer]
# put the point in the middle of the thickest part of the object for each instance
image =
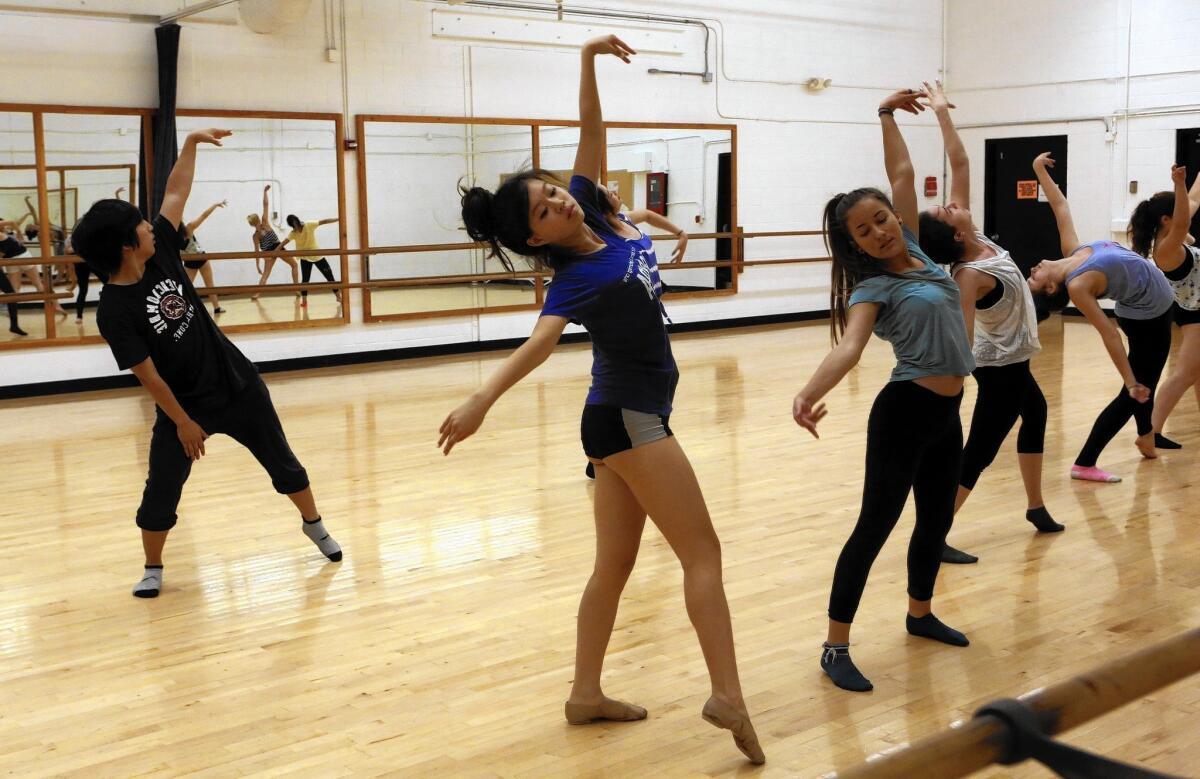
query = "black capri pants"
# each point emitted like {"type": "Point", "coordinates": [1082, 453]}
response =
{"type": "Point", "coordinates": [250, 419]}
{"type": "Point", "coordinates": [914, 442]}
{"type": "Point", "coordinates": [1006, 392]}
{"type": "Point", "coordinates": [1149, 347]}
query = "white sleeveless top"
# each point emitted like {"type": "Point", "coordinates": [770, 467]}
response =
{"type": "Point", "coordinates": [1187, 289]}
{"type": "Point", "coordinates": [1006, 333]}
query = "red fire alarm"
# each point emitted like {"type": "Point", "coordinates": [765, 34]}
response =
{"type": "Point", "coordinates": [931, 186]}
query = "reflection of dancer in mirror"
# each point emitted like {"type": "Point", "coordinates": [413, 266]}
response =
{"type": "Point", "coordinates": [305, 236]}
{"type": "Point", "coordinates": [1159, 229]}
{"type": "Point", "coordinates": [157, 327]}
{"type": "Point", "coordinates": [610, 285]}
{"type": "Point", "coordinates": [264, 239]}
{"type": "Point", "coordinates": [10, 249]}
{"type": "Point", "coordinates": [1143, 297]}
{"type": "Point", "coordinates": [1002, 323]}
{"type": "Point", "coordinates": [57, 248]}
{"type": "Point", "coordinates": [188, 234]}
{"type": "Point", "coordinates": [883, 282]}
{"type": "Point", "coordinates": [14, 249]}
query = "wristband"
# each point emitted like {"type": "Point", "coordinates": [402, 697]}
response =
{"type": "Point", "coordinates": [887, 111]}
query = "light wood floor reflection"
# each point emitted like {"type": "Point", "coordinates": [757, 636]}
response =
{"type": "Point", "coordinates": [442, 645]}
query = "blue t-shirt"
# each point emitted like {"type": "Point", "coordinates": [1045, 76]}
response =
{"type": "Point", "coordinates": [614, 293]}
{"type": "Point", "coordinates": [920, 316]}
{"type": "Point", "coordinates": [1135, 284]}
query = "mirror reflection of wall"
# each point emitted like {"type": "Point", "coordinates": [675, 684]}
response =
{"type": "Point", "coordinates": [292, 161]}
{"type": "Point", "coordinates": [413, 171]}
{"type": "Point", "coordinates": [18, 186]}
{"type": "Point", "coordinates": [89, 157]}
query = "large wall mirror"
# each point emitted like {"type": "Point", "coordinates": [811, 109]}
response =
{"type": "Point", "coordinates": [18, 189]}
{"type": "Point", "coordinates": [276, 182]}
{"type": "Point", "coordinates": [411, 200]}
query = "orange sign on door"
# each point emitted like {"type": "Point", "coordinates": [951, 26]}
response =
{"type": "Point", "coordinates": [1027, 190]}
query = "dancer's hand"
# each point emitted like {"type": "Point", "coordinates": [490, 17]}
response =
{"type": "Point", "coordinates": [1178, 174]}
{"type": "Point", "coordinates": [212, 135]}
{"type": "Point", "coordinates": [609, 44]}
{"type": "Point", "coordinates": [266, 189]}
{"type": "Point", "coordinates": [1139, 392]}
{"type": "Point", "coordinates": [680, 246]}
{"type": "Point", "coordinates": [905, 100]}
{"type": "Point", "coordinates": [461, 423]}
{"type": "Point", "coordinates": [806, 415]}
{"type": "Point", "coordinates": [1043, 160]}
{"type": "Point", "coordinates": [937, 96]}
{"type": "Point", "coordinates": [192, 437]}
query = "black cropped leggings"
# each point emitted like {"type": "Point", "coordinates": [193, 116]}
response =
{"type": "Point", "coordinates": [914, 442]}
{"type": "Point", "coordinates": [1149, 346]}
{"type": "Point", "coordinates": [1006, 392]}
{"type": "Point", "coordinates": [7, 287]}
{"type": "Point", "coordinates": [306, 267]}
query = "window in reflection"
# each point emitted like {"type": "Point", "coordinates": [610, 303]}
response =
{"type": "Point", "coordinates": [271, 187]}
{"type": "Point", "coordinates": [413, 170]}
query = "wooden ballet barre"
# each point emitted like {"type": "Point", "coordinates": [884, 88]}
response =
{"type": "Point", "coordinates": [782, 234]}
{"type": "Point", "coordinates": [971, 745]}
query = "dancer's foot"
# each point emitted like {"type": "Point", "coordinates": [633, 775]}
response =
{"type": "Point", "coordinates": [16, 330]}
{"type": "Point", "coordinates": [722, 715]}
{"type": "Point", "coordinates": [1145, 445]}
{"type": "Point", "coordinates": [930, 626]}
{"type": "Point", "coordinates": [608, 709]}
{"type": "Point", "coordinates": [957, 556]}
{"type": "Point", "coordinates": [1042, 520]}
{"type": "Point", "coordinates": [1092, 473]}
{"type": "Point", "coordinates": [837, 665]}
{"type": "Point", "coordinates": [1162, 442]}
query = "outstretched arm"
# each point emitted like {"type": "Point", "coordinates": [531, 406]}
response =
{"type": "Point", "coordinates": [960, 164]}
{"type": "Point", "coordinates": [1067, 238]}
{"type": "Point", "coordinates": [195, 223]}
{"type": "Point", "coordinates": [806, 408]}
{"type": "Point", "coordinates": [640, 215]}
{"type": "Point", "coordinates": [329, 221]}
{"type": "Point", "coordinates": [1169, 253]}
{"type": "Point", "coordinates": [895, 155]}
{"type": "Point", "coordinates": [591, 120]}
{"type": "Point", "coordinates": [179, 185]}
{"type": "Point", "coordinates": [463, 421]}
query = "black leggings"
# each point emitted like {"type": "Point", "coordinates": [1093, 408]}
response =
{"type": "Point", "coordinates": [82, 272]}
{"type": "Point", "coordinates": [914, 442]}
{"type": "Point", "coordinates": [7, 287]}
{"type": "Point", "coordinates": [1149, 346]}
{"type": "Point", "coordinates": [1005, 393]}
{"type": "Point", "coordinates": [306, 271]}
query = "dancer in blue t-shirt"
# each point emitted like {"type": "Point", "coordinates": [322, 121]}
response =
{"type": "Point", "coordinates": [609, 283]}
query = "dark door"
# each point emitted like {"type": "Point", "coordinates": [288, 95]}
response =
{"type": "Point", "coordinates": [1015, 214]}
{"type": "Point", "coordinates": [724, 218]}
{"type": "Point", "coordinates": [1187, 152]}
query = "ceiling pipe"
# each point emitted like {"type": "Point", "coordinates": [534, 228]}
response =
{"type": "Point", "coordinates": [192, 10]}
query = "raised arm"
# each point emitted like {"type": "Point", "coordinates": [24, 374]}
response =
{"type": "Point", "coordinates": [1169, 253]}
{"type": "Point", "coordinates": [960, 164]}
{"type": "Point", "coordinates": [179, 184]}
{"type": "Point", "coordinates": [1067, 238]}
{"type": "Point", "coordinates": [591, 120]}
{"type": "Point", "coordinates": [807, 409]}
{"type": "Point", "coordinates": [265, 220]}
{"type": "Point", "coordinates": [896, 161]}
{"type": "Point", "coordinates": [195, 223]}
{"type": "Point", "coordinates": [463, 421]}
{"type": "Point", "coordinates": [640, 215]}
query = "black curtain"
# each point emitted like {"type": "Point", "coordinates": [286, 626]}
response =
{"type": "Point", "coordinates": [164, 146]}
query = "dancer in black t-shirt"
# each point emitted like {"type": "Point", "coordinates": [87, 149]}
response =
{"type": "Point", "coordinates": [156, 326]}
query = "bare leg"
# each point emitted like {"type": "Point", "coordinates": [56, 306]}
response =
{"type": "Point", "coordinates": [152, 543]}
{"type": "Point", "coordinates": [307, 504]}
{"type": "Point", "coordinates": [207, 274]}
{"type": "Point", "coordinates": [619, 523]}
{"type": "Point", "coordinates": [1185, 373]}
{"type": "Point", "coordinates": [270, 263]}
{"type": "Point", "coordinates": [1031, 476]}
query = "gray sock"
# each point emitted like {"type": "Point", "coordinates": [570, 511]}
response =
{"type": "Point", "coordinates": [315, 530]}
{"type": "Point", "coordinates": [150, 584]}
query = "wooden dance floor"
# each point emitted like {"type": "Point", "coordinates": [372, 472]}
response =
{"type": "Point", "coordinates": [442, 645]}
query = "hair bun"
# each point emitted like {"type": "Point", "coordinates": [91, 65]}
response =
{"type": "Point", "coordinates": [478, 213]}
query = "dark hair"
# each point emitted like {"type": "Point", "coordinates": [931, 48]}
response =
{"type": "Point", "coordinates": [31, 232]}
{"type": "Point", "coordinates": [1147, 218]}
{"type": "Point", "coordinates": [501, 220]}
{"type": "Point", "coordinates": [602, 203]}
{"type": "Point", "coordinates": [105, 230]}
{"type": "Point", "coordinates": [850, 264]}
{"type": "Point", "coordinates": [294, 222]}
{"type": "Point", "coordinates": [1051, 301]}
{"type": "Point", "coordinates": [938, 241]}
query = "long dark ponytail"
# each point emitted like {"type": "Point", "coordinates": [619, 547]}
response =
{"type": "Point", "coordinates": [849, 264]}
{"type": "Point", "coordinates": [501, 220]}
{"type": "Point", "coordinates": [1146, 219]}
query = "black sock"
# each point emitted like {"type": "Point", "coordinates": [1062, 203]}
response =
{"type": "Point", "coordinates": [836, 663]}
{"type": "Point", "coordinates": [1042, 520]}
{"type": "Point", "coordinates": [930, 626]}
{"type": "Point", "coordinates": [957, 556]}
{"type": "Point", "coordinates": [1162, 442]}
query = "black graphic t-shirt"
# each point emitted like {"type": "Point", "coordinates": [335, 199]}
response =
{"type": "Point", "coordinates": [162, 317]}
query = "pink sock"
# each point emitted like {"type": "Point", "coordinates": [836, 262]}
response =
{"type": "Point", "coordinates": [1093, 474]}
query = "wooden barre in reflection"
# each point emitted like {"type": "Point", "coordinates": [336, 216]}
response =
{"type": "Point", "coordinates": [977, 743]}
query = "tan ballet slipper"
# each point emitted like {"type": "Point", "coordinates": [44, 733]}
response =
{"type": "Point", "coordinates": [724, 716]}
{"type": "Point", "coordinates": [608, 709]}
